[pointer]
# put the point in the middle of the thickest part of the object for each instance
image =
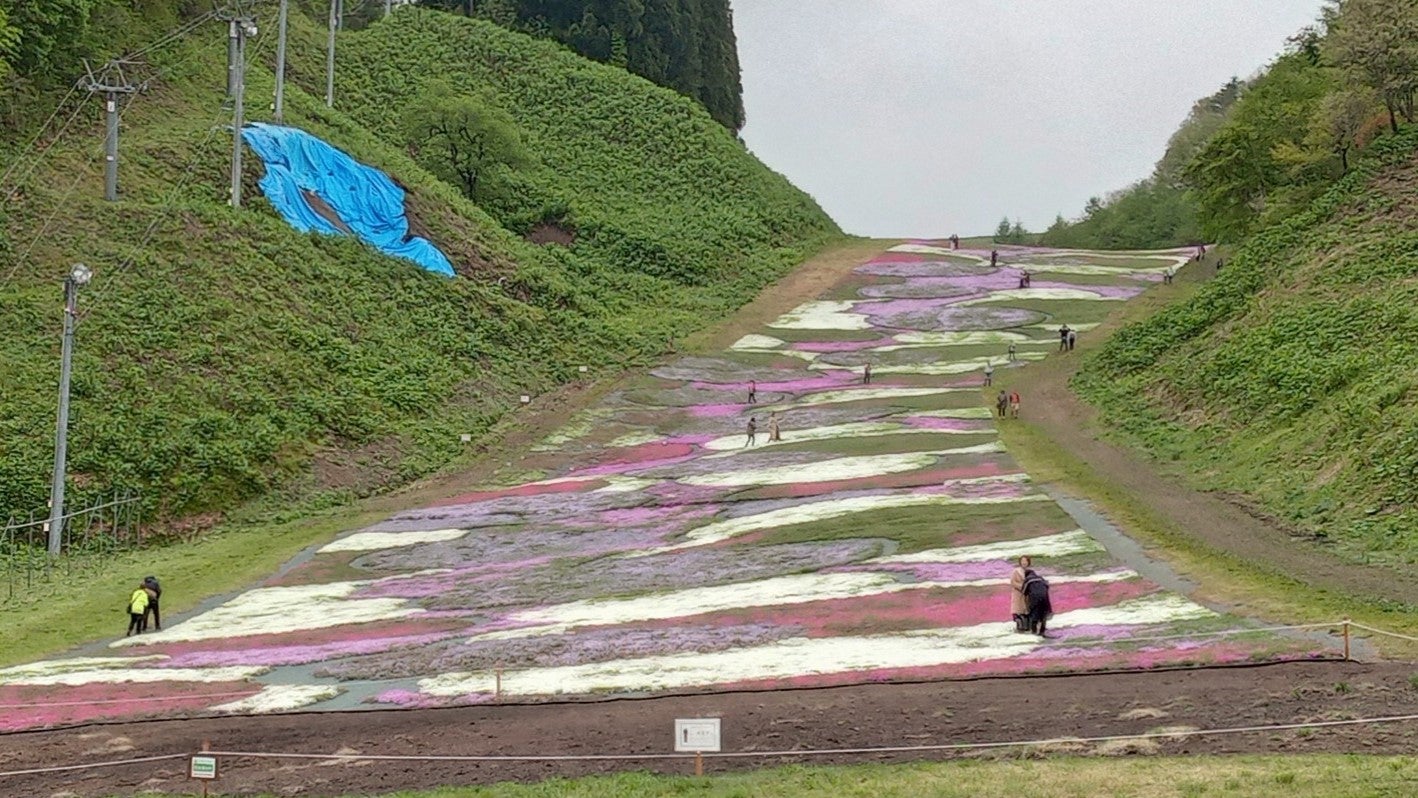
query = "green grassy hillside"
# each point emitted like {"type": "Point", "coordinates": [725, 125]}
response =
{"type": "Point", "coordinates": [222, 355]}
{"type": "Point", "coordinates": [1291, 376]}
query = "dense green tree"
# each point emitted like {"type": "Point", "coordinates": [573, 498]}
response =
{"type": "Point", "coordinates": [463, 138]}
{"type": "Point", "coordinates": [686, 45]}
{"type": "Point", "coordinates": [1375, 42]}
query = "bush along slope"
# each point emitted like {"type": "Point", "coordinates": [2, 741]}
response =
{"type": "Point", "coordinates": [1291, 376]}
{"type": "Point", "coordinates": [223, 356]}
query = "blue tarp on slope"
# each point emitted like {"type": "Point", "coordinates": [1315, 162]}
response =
{"type": "Point", "coordinates": [366, 200]}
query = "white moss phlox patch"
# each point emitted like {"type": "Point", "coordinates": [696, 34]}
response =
{"type": "Point", "coordinates": [822, 315]}
{"type": "Point", "coordinates": [965, 338]}
{"type": "Point", "coordinates": [795, 657]}
{"type": "Point", "coordinates": [752, 342]}
{"type": "Point", "coordinates": [863, 429]}
{"type": "Point", "coordinates": [374, 541]}
{"type": "Point", "coordinates": [624, 484]}
{"type": "Point", "coordinates": [843, 395]}
{"type": "Point", "coordinates": [928, 249]}
{"type": "Point", "coordinates": [1041, 293]}
{"type": "Point", "coordinates": [280, 698]}
{"type": "Point", "coordinates": [949, 367]}
{"type": "Point", "coordinates": [983, 413]}
{"type": "Point", "coordinates": [1062, 544]}
{"type": "Point", "coordinates": [57, 666]}
{"type": "Point", "coordinates": [275, 610]}
{"type": "Point", "coordinates": [635, 439]}
{"type": "Point", "coordinates": [74, 678]}
{"type": "Point", "coordinates": [1092, 269]}
{"type": "Point", "coordinates": [717, 531]}
{"type": "Point", "coordinates": [859, 467]}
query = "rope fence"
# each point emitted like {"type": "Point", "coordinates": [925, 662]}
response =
{"type": "Point", "coordinates": [1173, 734]}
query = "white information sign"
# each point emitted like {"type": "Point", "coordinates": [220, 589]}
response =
{"type": "Point", "coordinates": [697, 735]}
{"type": "Point", "coordinates": [202, 767]}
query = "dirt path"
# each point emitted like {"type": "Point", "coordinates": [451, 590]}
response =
{"type": "Point", "coordinates": [990, 710]}
{"type": "Point", "coordinates": [1218, 522]}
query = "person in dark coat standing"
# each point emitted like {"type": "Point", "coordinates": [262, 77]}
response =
{"type": "Point", "coordinates": [150, 584]}
{"type": "Point", "coordinates": [1036, 597]}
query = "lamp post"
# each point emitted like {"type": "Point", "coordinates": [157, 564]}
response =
{"type": "Point", "coordinates": [78, 276]}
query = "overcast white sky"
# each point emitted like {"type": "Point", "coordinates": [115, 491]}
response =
{"type": "Point", "coordinates": [927, 117]}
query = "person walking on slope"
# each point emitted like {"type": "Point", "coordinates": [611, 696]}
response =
{"type": "Point", "coordinates": [1014, 404]}
{"type": "Point", "coordinates": [1036, 598]}
{"type": "Point", "coordinates": [753, 392]}
{"type": "Point", "coordinates": [137, 607]}
{"type": "Point", "coordinates": [1063, 338]}
{"type": "Point", "coordinates": [752, 432]}
{"type": "Point", "coordinates": [994, 258]}
{"type": "Point", "coordinates": [1072, 339]}
{"type": "Point", "coordinates": [989, 373]}
{"type": "Point", "coordinates": [866, 374]}
{"type": "Point", "coordinates": [1018, 607]}
{"type": "Point", "coordinates": [150, 583]}
{"type": "Point", "coordinates": [1002, 403]}
{"type": "Point", "coordinates": [773, 434]}
{"type": "Point", "coordinates": [1168, 275]}
{"type": "Point", "coordinates": [1012, 356]}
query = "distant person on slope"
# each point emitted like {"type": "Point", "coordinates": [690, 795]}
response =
{"type": "Point", "coordinates": [753, 392]}
{"type": "Point", "coordinates": [1012, 356]}
{"type": "Point", "coordinates": [137, 606]}
{"type": "Point", "coordinates": [1028, 279]}
{"type": "Point", "coordinates": [994, 258]}
{"type": "Point", "coordinates": [1036, 598]}
{"type": "Point", "coordinates": [752, 432]}
{"type": "Point", "coordinates": [773, 433]}
{"type": "Point", "coordinates": [1002, 403]}
{"type": "Point", "coordinates": [866, 374]}
{"type": "Point", "coordinates": [1018, 607]}
{"type": "Point", "coordinates": [1063, 337]}
{"type": "Point", "coordinates": [989, 373]}
{"type": "Point", "coordinates": [150, 583]}
{"type": "Point", "coordinates": [1072, 339]}
{"type": "Point", "coordinates": [1014, 404]}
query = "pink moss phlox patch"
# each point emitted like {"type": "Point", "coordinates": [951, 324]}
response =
{"type": "Point", "coordinates": [411, 699]}
{"type": "Point", "coordinates": [619, 461]}
{"type": "Point", "coordinates": [332, 636]}
{"type": "Point", "coordinates": [301, 655]}
{"type": "Point", "coordinates": [912, 479]}
{"type": "Point", "coordinates": [827, 381]}
{"type": "Point", "coordinates": [530, 489]}
{"type": "Point", "coordinates": [35, 707]}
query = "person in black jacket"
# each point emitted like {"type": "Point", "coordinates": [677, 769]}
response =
{"type": "Point", "coordinates": [150, 584]}
{"type": "Point", "coordinates": [1036, 598]}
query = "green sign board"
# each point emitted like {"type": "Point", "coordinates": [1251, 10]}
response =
{"type": "Point", "coordinates": [203, 767]}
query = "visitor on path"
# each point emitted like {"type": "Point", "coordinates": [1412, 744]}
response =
{"type": "Point", "coordinates": [989, 373]}
{"type": "Point", "coordinates": [752, 392]}
{"type": "Point", "coordinates": [1014, 404]}
{"type": "Point", "coordinates": [1012, 356]}
{"type": "Point", "coordinates": [150, 583]}
{"type": "Point", "coordinates": [994, 258]}
{"type": "Point", "coordinates": [752, 432]}
{"type": "Point", "coordinates": [1036, 599]}
{"type": "Point", "coordinates": [954, 241]}
{"type": "Point", "coordinates": [1168, 275]}
{"type": "Point", "coordinates": [1022, 282]}
{"type": "Point", "coordinates": [1200, 251]}
{"type": "Point", "coordinates": [1028, 279]}
{"type": "Point", "coordinates": [773, 433]}
{"type": "Point", "coordinates": [1072, 339]}
{"type": "Point", "coordinates": [1018, 607]}
{"type": "Point", "coordinates": [1002, 403]}
{"type": "Point", "coordinates": [866, 374]}
{"type": "Point", "coordinates": [137, 606]}
{"type": "Point", "coordinates": [1063, 338]}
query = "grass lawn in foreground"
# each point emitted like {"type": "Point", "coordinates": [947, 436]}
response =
{"type": "Point", "coordinates": [1318, 776]}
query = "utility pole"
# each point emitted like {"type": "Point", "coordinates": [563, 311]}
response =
{"type": "Point", "coordinates": [113, 85]}
{"type": "Point", "coordinates": [240, 26]}
{"type": "Point", "coordinates": [281, 64]}
{"type": "Point", "coordinates": [330, 54]}
{"type": "Point", "coordinates": [388, 7]}
{"type": "Point", "coordinates": [78, 275]}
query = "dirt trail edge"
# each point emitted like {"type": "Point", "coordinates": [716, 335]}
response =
{"type": "Point", "coordinates": [1217, 522]}
{"type": "Point", "coordinates": [987, 710]}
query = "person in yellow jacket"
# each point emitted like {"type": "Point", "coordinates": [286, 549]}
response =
{"type": "Point", "coordinates": [137, 608]}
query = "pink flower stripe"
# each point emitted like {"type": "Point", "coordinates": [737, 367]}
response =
{"type": "Point", "coordinates": [530, 489]}
{"type": "Point", "coordinates": [48, 706]}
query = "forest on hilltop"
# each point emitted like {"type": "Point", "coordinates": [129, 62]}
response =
{"type": "Point", "coordinates": [685, 45]}
{"type": "Point", "coordinates": [1261, 149]}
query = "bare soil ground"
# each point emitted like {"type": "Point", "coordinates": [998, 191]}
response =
{"type": "Point", "coordinates": [986, 710]}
